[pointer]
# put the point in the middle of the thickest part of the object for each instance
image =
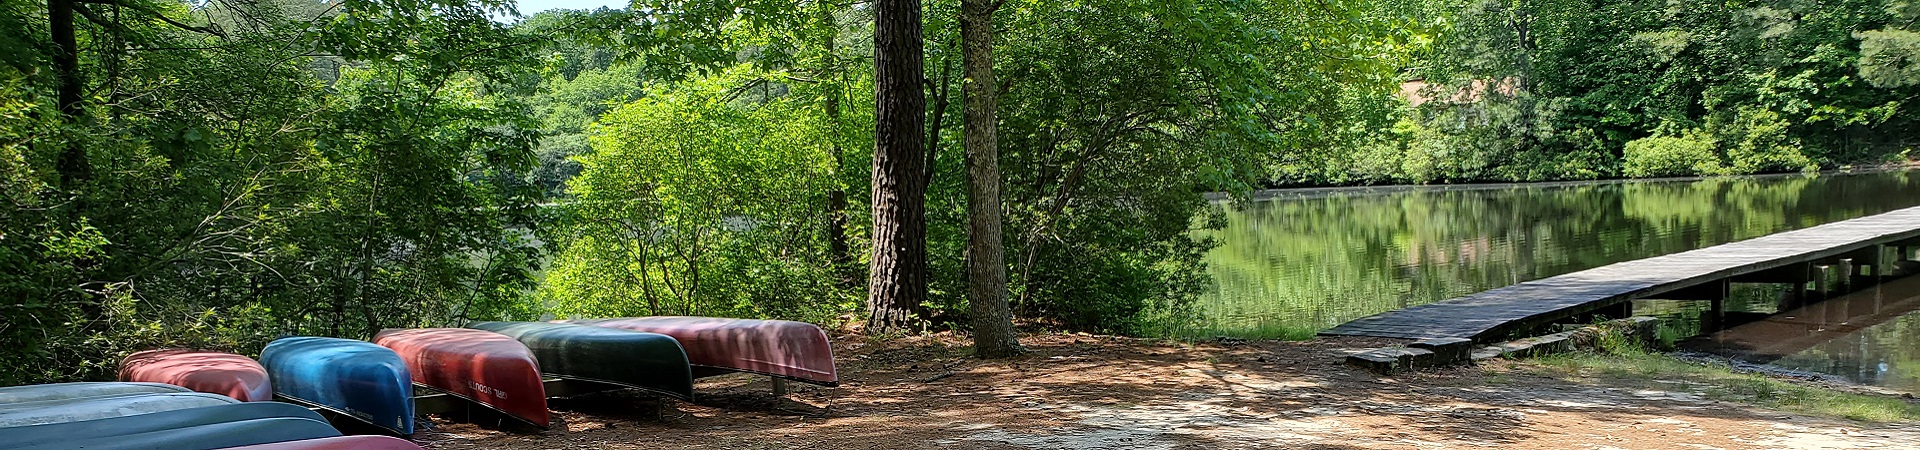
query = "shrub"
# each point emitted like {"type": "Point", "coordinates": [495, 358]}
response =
{"type": "Point", "coordinates": [1691, 153]}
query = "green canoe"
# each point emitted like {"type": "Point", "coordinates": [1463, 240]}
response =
{"type": "Point", "coordinates": [648, 361]}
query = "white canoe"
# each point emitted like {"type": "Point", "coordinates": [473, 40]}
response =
{"type": "Point", "coordinates": [58, 391]}
{"type": "Point", "coordinates": [73, 410]}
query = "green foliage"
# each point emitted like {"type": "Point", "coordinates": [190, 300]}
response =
{"type": "Point", "coordinates": [1550, 89]}
{"type": "Point", "coordinates": [1758, 141]}
{"type": "Point", "coordinates": [1667, 156]}
{"type": "Point", "coordinates": [238, 188]}
{"type": "Point", "coordinates": [696, 202]}
{"type": "Point", "coordinates": [1890, 58]}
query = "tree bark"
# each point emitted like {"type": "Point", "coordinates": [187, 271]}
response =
{"type": "Point", "coordinates": [993, 335]}
{"type": "Point", "coordinates": [72, 164]}
{"type": "Point", "coordinates": [897, 281]}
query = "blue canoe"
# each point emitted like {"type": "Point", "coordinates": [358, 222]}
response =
{"type": "Point", "coordinates": [78, 409]}
{"type": "Point", "coordinates": [354, 378]}
{"type": "Point", "coordinates": [142, 423]}
{"type": "Point", "coordinates": [203, 437]}
{"type": "Point", "coordinates": [648, 361]}
{"type": "Point", "coordinates": [59, 391]}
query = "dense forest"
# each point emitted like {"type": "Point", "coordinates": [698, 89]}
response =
{"type": "Point", "coordinates": [217, 173]}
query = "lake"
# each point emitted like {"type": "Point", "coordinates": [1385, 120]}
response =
{"type": "Point", "coordinates": [1293, 262]}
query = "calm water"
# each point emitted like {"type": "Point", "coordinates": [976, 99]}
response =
{"type": "Point", "coordinates": [1297, 262]}
{"type": "Point", "coordinates": [1870, 336]}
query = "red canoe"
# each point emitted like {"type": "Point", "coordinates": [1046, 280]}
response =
{"type": "Point", "coordinates": [221, 373]}
{"type": "Point", "coordinates": [487, 368]}
{"type": "Point", "coordinates": [339, 443]}
{"type": "Point", "coordinates": [793, 350]}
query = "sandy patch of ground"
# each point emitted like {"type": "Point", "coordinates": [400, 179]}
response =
{"type": "Point", "coordinates": [1085, 392]}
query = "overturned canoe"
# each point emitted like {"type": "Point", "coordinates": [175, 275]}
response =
{"type": "Point", "coordinates": [797, 351]}
{"type": "Point", "coordinates": [180, 418]}
{"type": "Point", "coordinates": [356, 378]}
{"type": "Point", "coordinates": [339, 443]}
{"type": "Point", "coordinates": [202, 437]}
{"type": "Point", "coordinates": [221, 373]}
{"type": "Point", "coordinates": [648, 361]}
{"type": "Point", "coordinates": [484, 367]}
{"type": "Point", "coordinates": [58, 391]}
{"type": "Point", "coordinates": [78, 409]}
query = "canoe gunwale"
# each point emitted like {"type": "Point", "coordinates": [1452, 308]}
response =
{"type": "Point", "coordinates": [337, 411]}
{"type": "Point", "coordinates": [764, 374]}
{"type": "Point", "coordinates": [472, 401]}
{"type": "Point", "coordinates": [616, 383]}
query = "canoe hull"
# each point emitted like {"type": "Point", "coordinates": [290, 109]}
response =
{"type": "Point", "coordinates": [75, 410]}
{"type": "Point", "coordinates": [648, 361]}
{"type": "Point", "coordinates": [484, 367]}
{"type": "Point", "coordinates": [339, 443]}
{"type": "Point", "coordinates": [358, 379]}
{"type": "Point", "coordinates": [180, 418]}
{"type": "Point", "coordinates": [204, 437]}
{"type": "Point", "coordinates": [221, 373]}
{"type": "Point", "coordinates": [57, 391]}
{"type": "Point", "coordinates": [797, 351]}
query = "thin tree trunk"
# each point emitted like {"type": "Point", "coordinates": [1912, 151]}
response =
{"type": "Point", "coordinates": [993, 335]}
{"type": "Point", "coordinates": [897, 282]}
{"type": "Point", "coordinates": [838, 251]}
{"type": "Point", "coordinates": [940, 98]}
{"type": "Point", "coordinates": [72, 165]}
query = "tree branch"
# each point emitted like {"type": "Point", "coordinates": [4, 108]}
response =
{"type": "Point", "coordinates": [156, 15]}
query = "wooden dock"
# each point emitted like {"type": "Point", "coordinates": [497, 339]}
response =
{"type": "Point", "coordinates": [1859, 248]}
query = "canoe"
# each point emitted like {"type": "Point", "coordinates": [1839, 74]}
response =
{"type": "Point", "coordinates": [181, 418]}
{"type": "Point", "coordinates": [484, 367]}
{"type": "Point", "coordinates": [797, 351]}
{"type": "Point", "coordinates": [57, 391]}
{"type": "Point", "coordinates": [339, 443]}
{"type": "Point", "coordinates": [355, 378]}
{"type": "Point", "coordinates": [202, 437]}
{"type": "Point", "coordinates": [73, 410]}
{"type": "Point", "coordinates": [648, 361]}
{"type": "Point", "coordinates": [221, 373]}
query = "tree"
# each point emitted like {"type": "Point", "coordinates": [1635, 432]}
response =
{"type": "Point", "coordinates": [993, 335]}
{"type": "Point", "coordinates": [897, 277]}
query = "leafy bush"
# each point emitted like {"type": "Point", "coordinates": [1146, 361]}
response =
{"type": "Point", "coordinates": [1656, 156]}
{"type": "Point", "coordinates": [1760, 142]}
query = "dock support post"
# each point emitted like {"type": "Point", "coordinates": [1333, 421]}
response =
{"type": "Point", "coordinates": [1822, 275]}
{"type": "Point", "coordinates": [1880, 271]}
{"type": "Point", "coordinates": [1717, 305]}
{"type": "Point", "coordinates": [1847, 273]}
{"type": "Point", "coordinates": [779, 387]}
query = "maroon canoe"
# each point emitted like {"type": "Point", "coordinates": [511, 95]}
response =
{"type": "Point", "coordinates": [221, 373]}
{"type": "Point", "coordinates": [339, 443]}
{"type": "Point", "coordinates": [793, 350]}
{"type": "Point", "coordinates": [487, 368]}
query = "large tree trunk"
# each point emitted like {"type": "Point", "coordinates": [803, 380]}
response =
{"type": "Point", "coordinates": [986, 260]}
{"type": "Point", "coordinates": [898, 277]}
{"type": "Point", "coordinates": [72, 165]}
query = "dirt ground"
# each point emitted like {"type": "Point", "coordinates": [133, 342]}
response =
{"type": "Point", "coordinates": [1090, 392]}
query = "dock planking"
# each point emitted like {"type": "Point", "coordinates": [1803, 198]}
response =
{"type": "Point", "coordinates": [1490, 315]}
